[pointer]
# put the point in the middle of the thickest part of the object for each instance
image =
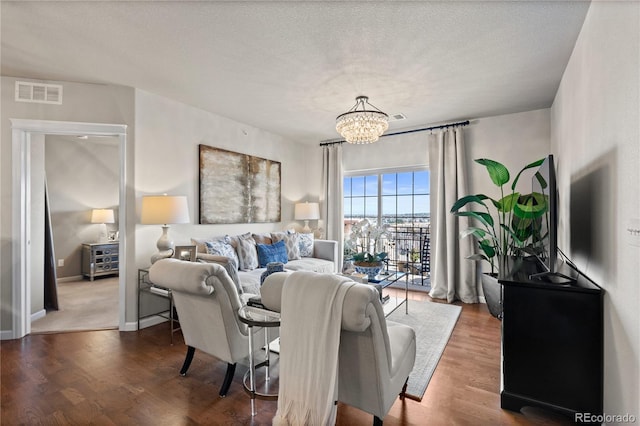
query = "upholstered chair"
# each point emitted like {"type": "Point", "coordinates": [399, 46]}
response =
{"type": "Point", "coordinates": [375, 355]}
{"type": "Point", "coordinates": [207, 302]}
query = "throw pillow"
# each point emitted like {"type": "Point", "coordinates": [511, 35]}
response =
{"type": "Point", "coordinates": [247, 254]}
{"type": "Point", "coordinates": [262, 238]}
{"type": "Point", "coordinates": [275, 252]}
{"type": "Point", "coordinates": [305, 242]}
{"type": "Point", "coordinates": [291, 243]}
{"type": "Point", "coordinates": [223, 248]}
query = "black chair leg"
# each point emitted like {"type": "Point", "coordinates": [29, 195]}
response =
{"type": "Point", "coordinates": [228, 378]}
{"type": "Point", "coordinates": [377, 421]}
{"type": "Point", "coordinates": [187, 361]}
{"type": "Point", "coordinates": [403, 392]}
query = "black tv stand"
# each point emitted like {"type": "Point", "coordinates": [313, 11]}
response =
{"type": "Point", "coordinates": [552, 278]}
{"type": "Point", "coordinates": [552, 341]}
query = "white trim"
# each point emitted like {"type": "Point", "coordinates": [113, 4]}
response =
{"type": "Point", "coordinates": [151, 321]}
{"type": "Point", "coordinates": [40, 314]}
{"type": "Point", "coordinates": [6, 334]}
{"type": "Point", "coordinates": [69, 279]}
{"type": "Point", "coordinates": [21, 279]}
{"type": "Point", "coordinates": [387, 170]}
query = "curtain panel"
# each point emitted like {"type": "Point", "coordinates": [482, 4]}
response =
{"type": "Point", "coordinates": [453, 277]}
{"type": "Point", "coordinates": [331, 202]}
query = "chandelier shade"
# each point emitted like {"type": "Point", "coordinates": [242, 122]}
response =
{"type": "Point", "coordinates": [360, 125]}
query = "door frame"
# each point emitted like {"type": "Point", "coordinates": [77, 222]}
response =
{"type": "Point", "coordinates": [22, 130]}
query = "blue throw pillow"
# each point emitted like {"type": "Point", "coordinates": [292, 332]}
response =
{"type": "Point", "coordinates": [276, 252]}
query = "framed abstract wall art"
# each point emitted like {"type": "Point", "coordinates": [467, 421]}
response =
{"type": "Point", "coordinates": [238, 188]}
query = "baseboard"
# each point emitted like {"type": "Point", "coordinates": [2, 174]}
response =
{"type": "Point", "coordinates": [6, 334]}
{"type": "Point", "coordinates": [149, 322]}
{"type": "Point", "coordinates": [40, 314]}
{"type": "Point", "coordinates": [73, 278]}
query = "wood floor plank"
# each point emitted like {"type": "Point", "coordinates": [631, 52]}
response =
{"type": "Point", "coordinates": [124, 378]}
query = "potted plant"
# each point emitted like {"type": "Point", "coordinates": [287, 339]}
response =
{"type": "Point", "coordinates": [504, 232]}
{"type": "Point", "coordinates": [366, 239]}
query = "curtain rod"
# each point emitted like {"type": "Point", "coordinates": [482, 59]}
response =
{"type": "Point", "coordinates": [442, 126]}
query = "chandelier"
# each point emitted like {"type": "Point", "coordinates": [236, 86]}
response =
{"type": "Point", "coordinates": [360, 125]}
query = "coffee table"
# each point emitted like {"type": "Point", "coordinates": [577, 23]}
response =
{"type": "Point", "coordinates": [392, 300]}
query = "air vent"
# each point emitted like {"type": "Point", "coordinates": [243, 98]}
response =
{"type": "Point", "coordinates": [38, 92]}
{"type": "Point", "coordinates": [397, 117]}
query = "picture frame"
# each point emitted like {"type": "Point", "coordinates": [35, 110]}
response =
{"type": "Point", "coordinates": [186, 253]}
{"type": "Point", "coordinates": [238, 188]}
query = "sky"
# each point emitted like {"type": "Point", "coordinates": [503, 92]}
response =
{"type": "Point", "coordinates": [396, 194]}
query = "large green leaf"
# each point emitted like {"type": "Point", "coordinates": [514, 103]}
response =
{"type": "Point", "coordinates": [478, 198]}
{"type": "Point", "coordinates": [487, 247]}
{"type": "Point", "coordinates": [506, 203]}
{"type": "Point", "coordinates": [527, 167]}
{"type": "Point", "coordinates": [498, 173]}
{"type": "Point", "coordinates": [485, 218]}
{"type": "Point", "coordinates": [530, 206]}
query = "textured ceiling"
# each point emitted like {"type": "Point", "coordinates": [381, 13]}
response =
{"type": "Point", "coordinates": [291, 67]}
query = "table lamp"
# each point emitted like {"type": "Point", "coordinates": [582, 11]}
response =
{"type": "Point", "coordinates": [307, 211]}
{"type": "Point", "coordinates": [164, 210]}
{"type": "Point", "coordinates": [102, 216]}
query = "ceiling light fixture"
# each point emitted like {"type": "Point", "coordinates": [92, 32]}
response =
{"type": "Point", "coordinates": [360, 125]}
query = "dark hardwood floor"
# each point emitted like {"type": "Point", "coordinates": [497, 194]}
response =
{"type": "Point", "coordinates": [131, 378]}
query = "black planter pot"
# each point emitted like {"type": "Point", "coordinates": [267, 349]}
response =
{"type": "Point", "coordinates": [492, 290]}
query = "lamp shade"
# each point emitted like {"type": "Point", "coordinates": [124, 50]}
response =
{"type": "Point", "coordinates": [164, 209]}
{"type": "Point", "coordinates": [307, 211]}
{"type": "Point", "coordinates": [102, 216]}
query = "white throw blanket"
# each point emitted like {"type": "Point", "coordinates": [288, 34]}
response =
{"type": "Point", "coordinates": [311, 317]}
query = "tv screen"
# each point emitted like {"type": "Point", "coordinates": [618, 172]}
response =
{"type": "Point", "coordinates": [545, 229]}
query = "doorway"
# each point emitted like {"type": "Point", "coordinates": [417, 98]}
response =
{"type": "Point", "coordinates": [23, 132]}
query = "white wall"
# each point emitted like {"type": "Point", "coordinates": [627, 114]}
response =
{"type": "Point", "coordinates": [91, 103]}
{"type": "Point", "coordinates": [595, 132]}
{"type": "Point", "coordinates": [167, 137]}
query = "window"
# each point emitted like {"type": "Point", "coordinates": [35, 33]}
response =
{"type": "Point", "coordinates": [394, 198]}
{"type": "Point", "coordinates": [399, 199]}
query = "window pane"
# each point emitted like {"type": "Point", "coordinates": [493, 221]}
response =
{"type": "Point", "coordinates": [388, 205]}
{"type": "Point", "coordinates": [371, 207]}
{"type": "Point", "coordinates": [405, 184]}
{"type": "Point", "coordinates": [421, 205]}
{"type": "Point", "coordinates": [405, 205]}
{"type": "Point", "coordinates": [347, 208]}
{"type": "Point", "coordinates": [357, 185]}
{"type": "Point", "coordinates": [421, 182]}
{"type": "Point", "coordinates": [389, 184]}
{"type": "Point", "coordinates": [371, 185]}
{"type": "Point", "coordinates": [346, 187]}
{"type": "Point", "coordinates": [357, 207]}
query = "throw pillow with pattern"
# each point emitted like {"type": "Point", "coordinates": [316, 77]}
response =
{"type": "Point", "coordinates": [290, 242]}
{"type": "Point", "coordinates": [247, 253]}
{"type": "Point", "coordinates": [305, 243]}
{"type": "Point", "coordinates": [223, 248]}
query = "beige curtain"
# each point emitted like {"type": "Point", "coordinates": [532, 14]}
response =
{"type": "Point", "coordinates": [331, 210]}
{"type": "Point", "coordinates": [453, 277]}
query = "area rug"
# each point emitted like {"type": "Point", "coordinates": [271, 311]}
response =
{"type": "Point", "coordinates": [433, 324]}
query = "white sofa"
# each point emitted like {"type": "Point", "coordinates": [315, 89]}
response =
{"type": "Point", "coordinates": [324, 258]}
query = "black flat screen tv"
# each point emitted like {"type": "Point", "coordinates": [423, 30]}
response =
{"type": "Point", "coordinates": [545, 230]}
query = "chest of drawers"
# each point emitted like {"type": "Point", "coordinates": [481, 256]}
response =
{"type": "Point", "coordinates": [100, 259]}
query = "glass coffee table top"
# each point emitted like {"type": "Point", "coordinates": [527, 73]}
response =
{"type": "Point", "coordinates": [390, 300]}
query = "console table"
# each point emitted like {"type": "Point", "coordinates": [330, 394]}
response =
{"type": "Point", "coordinates": [162, 297]}
{"type": "Point", "coordinates": [552, 343]}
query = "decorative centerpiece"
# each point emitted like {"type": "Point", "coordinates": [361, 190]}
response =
{"type": "Point", "coordinates": [369, 264]}
{"type": "Point", "coordinates": [363, 245]}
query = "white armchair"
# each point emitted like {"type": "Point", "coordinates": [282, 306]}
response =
{"type": "Point", "coordinates": [375, 355]}
{"type": "Point", "coordinates": [207, 302]}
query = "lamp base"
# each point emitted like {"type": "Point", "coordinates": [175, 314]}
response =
{"type": "Point", "coordinates": [306, 229]}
